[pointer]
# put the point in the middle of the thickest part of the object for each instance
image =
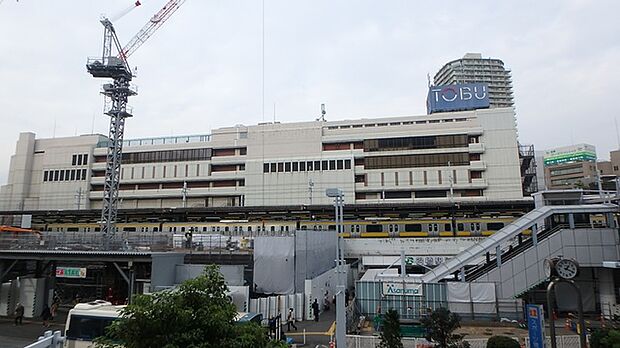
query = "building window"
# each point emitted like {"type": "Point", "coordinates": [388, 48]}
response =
{"type": "Point", "coordinates": [396, 178]}
{"type": "Point", "coordinates": [415, 143]}
{"type": "Point", "coordinates": [332, 165]}
{"type": "Point", "coordinates": [280, 167]}
{"type": "Point", "coordinates": [45, 174]}
{"type": "Point", "coordinates": [287, 166]}
{"type": "Point", "coordinates": [309, 165]}
{"type": "Point", "coordinates": [340, 164]}
{"type": "Point", "coordinates": [317, 165]}
{"type": "Point", "coordinates": [72, 174]}
{"type": "Point", "coordinates": [83, 174]}
{"type": "Point", "coordinates": [382, 179]}
{"type": "Point", "coordinates": [85, 159]}
{"type": "Point", "coordinates": [74, 160]}
{"type": "Point", "coordinates": [273, 168]}
{"type": "Point", "coordinates": [265, 167]}
{"type": "Point", "coordinates": [347, 164]}
{"type": "Point", "coordinates": [412, 161]}
{"type": "Point", "coordinates": [324, 165]}
{"type": "Point", "coordinates": [295, 166]}
{"type": "Point", "coordinates": [439, 177]}
{"type": "Point", "coordinates": [302, 166]}
{"type": "Point", "coordinates": [476, 175]}
{"type": "Point", "coordinates": [62, 175]}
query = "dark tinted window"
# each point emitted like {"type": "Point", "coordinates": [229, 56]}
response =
{"type": "Point", "coordinates": [447, 227]}
{"type": "Point", "coordinates": [265, 167]}
{"type": "Point", "coordinates": [495, 226]}
{"type": "Point", "coordinates": [413, 228]}
{"type": "Point", "coordinates": [347, 164]}
{"type": "Point", "coordinates": [374, 228]}
{"type": "Point", "coordinates": [87, 328]}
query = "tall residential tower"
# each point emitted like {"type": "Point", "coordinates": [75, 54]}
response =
{"type": "Point", "coordinates": [472, 68]}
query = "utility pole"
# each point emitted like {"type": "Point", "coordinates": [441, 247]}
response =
{"type": "Point", "coordinates": [78, 197]}
{"type": "Point", "coordinates": [184, 191]}
{"type": "Point", "coordinates": [598, 179]}
{"type": "Point", "coordinates": [341, 319]}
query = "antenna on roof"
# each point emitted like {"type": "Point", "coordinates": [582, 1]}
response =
{"type": "Point", "coordinates": [323, 112]}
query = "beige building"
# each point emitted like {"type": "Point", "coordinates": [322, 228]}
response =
{"type": "Point", "coordinates": [461, 156]}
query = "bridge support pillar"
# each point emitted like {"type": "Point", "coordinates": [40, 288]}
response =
{"type": "Point", "coordinates": [607, 296]}
{"type": "Point", "coordinates": [571, 221]}
{"type": "Point", "coordinates": [498, 256]}
{"type": "Point", "coordinates": [535, 234]}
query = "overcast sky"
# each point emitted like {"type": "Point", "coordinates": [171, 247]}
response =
{"type": "Point", "coordinates": [203, 68]}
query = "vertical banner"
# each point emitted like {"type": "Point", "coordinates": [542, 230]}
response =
{"type": "Point", "coordinates": [536, 325]}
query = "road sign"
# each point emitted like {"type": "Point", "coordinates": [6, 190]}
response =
{"type": "Point", "coordinates": [536, 325]}
{"type": "Point", "coordinates": [70, 272]}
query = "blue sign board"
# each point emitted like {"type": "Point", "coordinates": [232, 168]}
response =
{"type": "Point", "coordinates": [536, 325]}
{"type": "Point", "coordinates": [467, 96]}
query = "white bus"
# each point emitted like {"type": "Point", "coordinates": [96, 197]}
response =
{"type": "Point", "coordinates": [87, 321]}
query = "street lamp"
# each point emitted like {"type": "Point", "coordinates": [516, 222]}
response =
{"type": "Point", "coordinates": [341, 321]}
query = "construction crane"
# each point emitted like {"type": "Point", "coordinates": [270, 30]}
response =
{"type": "Point", "coordinates": [115, 67]}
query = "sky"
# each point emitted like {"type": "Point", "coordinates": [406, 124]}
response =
{"type": "Point", "coordinates": [204, 68]}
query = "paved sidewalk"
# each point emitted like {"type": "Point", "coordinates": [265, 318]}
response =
{"type": "Point", "coordinates": [317, 333]}
{"type": "Point", "coordinates": [12, 336]}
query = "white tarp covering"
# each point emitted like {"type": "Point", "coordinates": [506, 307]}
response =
{"type": "Point", "coordinates": [467, 297]}
{"type": "Point", "coordinates": [274, 265]}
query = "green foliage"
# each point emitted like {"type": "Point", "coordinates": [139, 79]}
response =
{"type": "Point", "coordinates": [502, 342]}
{"type": "Point", "coordinates": [197, 314]}
{"type": "Point", "coordinates": [440, 326]}
{"type": "Point", "coordinates": [605, 338]}
{"type": "Point", "coordinates": [391, 336]}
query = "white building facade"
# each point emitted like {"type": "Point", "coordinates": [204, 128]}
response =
{"type": "Point", "coordinates": [446, 157]}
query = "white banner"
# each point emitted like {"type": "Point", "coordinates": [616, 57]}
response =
{"type": "Point", "coordinates": [402, 288]}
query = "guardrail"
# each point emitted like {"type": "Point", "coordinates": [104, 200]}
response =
{"type": "Point", "coordinates": [48, 340]}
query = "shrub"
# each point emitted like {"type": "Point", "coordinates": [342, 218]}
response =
{"type": "Point", "coordinates": [502, 342]}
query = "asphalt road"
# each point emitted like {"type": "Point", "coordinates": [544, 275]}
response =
{"type": "Point", "coordinates": [12, 336]}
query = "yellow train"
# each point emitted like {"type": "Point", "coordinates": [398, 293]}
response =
{"type": "Point", "coordinates": [367, 228]}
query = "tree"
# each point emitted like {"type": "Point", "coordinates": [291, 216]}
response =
{"type": "Point", "coordinates": [502, 342]}
{"type": "Point", "coordinates": [196, 314]}
{"type": "Point", "coordinates": [439, 326]}
{"type": "Point", "coordinates": [391, 336]}
{"type": "Point", "coordinates": [604, 338]}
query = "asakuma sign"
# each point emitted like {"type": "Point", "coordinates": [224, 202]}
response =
{"type": "Point", "coordinates": [467, 96]}
{"type": "Point", "coordinates": [402, 288]}
{"type": "Point", "coordinates": [70, 272]}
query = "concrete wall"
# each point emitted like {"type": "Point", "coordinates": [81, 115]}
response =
{"type": "Point", "coordinates": [163, 269]}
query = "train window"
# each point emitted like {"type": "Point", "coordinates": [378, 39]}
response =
{"type": "Point", "coordinates": [331, 227]}
{"type": "Point", "coordinates": [304, 227]}
{"type": "Point", "coordinates": [217, 228]}
{"type": "Point", "coordinates": [395, 228]}
{"type": "Point", "coordinates": [460, 227]}
{"type": "Point", "coordinates": [352, 228]}
{"type": "Point", "coordinates": [447, 227]}
{"type": "Point", "coordinates": [249, 228]}
{"type": "Point", "coordinates": [357, 228]}
{"type": "Point", "coordinates": [226, 229]}
{"type": "Point", "coordinates": [97, 229]}
{"type": "Point", "coordinates": [477, 226]}
{"type": "Point", "coordinates": [204, 228]}
{"type": "Point", "coordinates": [155, 229]}
{"type": "Point", "coordinates": [72, 229]}
{"type": "Point", "coordinates": [286, 228]}
{"type": "Point", "coordinates": [413, 228]}
{"type": "Point", "coordinates": [183, 229]}
{"type": "Point", "coordinates": [236, 228]}
{"type": "Point", "coordinates": [436, 226]}
{"type": "Point", "coordinates": [374, 228]}
{"type": "Point", "coordinates": [472, 227]}
{"type": "Point", "coordinates": [391, 227]}
{"type": "Point", "coordinates": [272, 228]}
{"type": "Point", "coordinates": [495, 226]}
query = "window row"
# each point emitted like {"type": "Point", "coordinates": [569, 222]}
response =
{"type": "Point", "coordinates": [410, 161]}
{"type": "Point", "coordinates": [163, 156]}
{"type": "Point", "coordinates": [176, 185]}
{"type": "Point", "coordinates": [306, 166]}
{"type": "Point", "coordinates": [416, 143]}
{"type": "Point", "coordinates": [64, 175]}
{"type": "Point", "coordinates": [79, 159]}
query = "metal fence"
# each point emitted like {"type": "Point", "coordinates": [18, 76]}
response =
{"type": "Point", "coordinates": [357, 341]}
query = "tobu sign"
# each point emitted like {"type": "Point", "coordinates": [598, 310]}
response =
{"type": "Point", "coordinates": [468, 96]}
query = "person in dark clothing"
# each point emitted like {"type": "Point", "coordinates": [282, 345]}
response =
{"type": "Point", "coordinates": [19, 314]}
{"type": "Point", "coordinates": [46, 315]}
{"type": "Point", "coordinates": [315, 309]}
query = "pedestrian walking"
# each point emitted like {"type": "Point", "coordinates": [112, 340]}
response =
{"type": "Point", "coordinates": [54, 309]}
{"type": "Point", "coordinates": [290, 320]}
{"type": "Point", "coordinates": [46, 315]}
{"type": "Point", "coordinates": [19, 313]}
{"type": "Point", "coordinates": [315, 309]}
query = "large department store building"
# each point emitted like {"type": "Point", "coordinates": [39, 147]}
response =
{"type": "Point", "coordinates": [444, 157]}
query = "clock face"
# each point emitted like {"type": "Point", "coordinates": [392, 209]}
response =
{"type": "Point", "coordinates": [566, 268]}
